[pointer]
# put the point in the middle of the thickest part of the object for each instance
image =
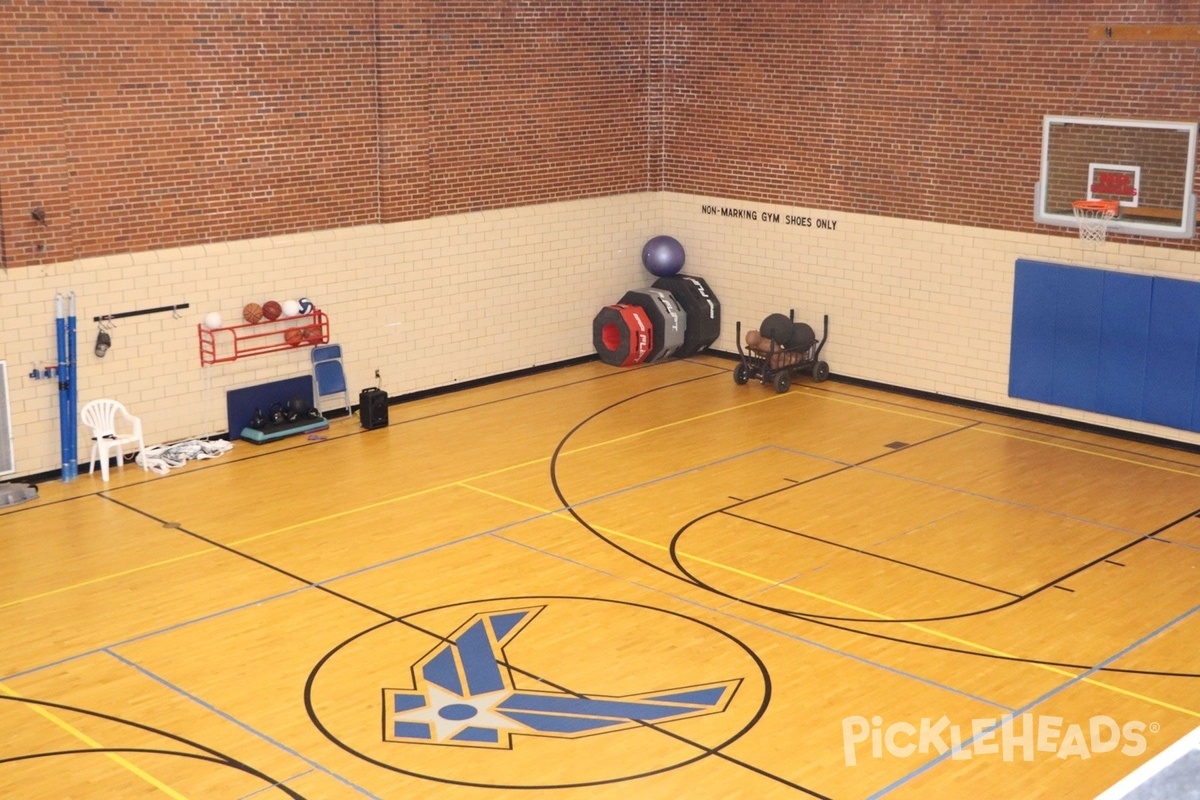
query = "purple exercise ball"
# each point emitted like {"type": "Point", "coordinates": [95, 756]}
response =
{"type": "Point", "coordinates": [663, 256]}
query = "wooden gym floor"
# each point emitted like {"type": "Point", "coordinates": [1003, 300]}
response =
{"type": "Point", "coordinates": [643, 583]}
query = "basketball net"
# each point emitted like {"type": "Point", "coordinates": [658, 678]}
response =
{"type": "Point", "coordinates": [1093, 217]}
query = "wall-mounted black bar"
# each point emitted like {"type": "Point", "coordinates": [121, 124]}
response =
{"type": "Point", "coordinates": [123, 314]}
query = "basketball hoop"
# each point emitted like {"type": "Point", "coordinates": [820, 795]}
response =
{"type": "Point", "coordinates": [1093, 217]}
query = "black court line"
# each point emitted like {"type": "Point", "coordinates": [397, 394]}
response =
{"type": "Point", "coordinates": [683, 570]}
{"type": "Point", "coordinates": [390, 618]}
{"type": "Point", "coordinates": [543, 390]}
{"type": "Point", "coordinates": [1002, 411]}
{"type": "Point", "coordinates": [704, 751]}
{"type": "Point", "coordinates": [999, 411]}
{"type": "Point", "coordinates": [826, 621]}
{"type": "Point", "coordinates": [209, 754]}
{"type": "Point", "coordinates": [198, 466]}
{"type": "Point", "coordinates": [868, 553]}
{"type": "Point", "coordinates": [801, 617]}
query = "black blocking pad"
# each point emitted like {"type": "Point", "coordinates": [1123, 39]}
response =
{"type": "Point", "coordinates": [703, 311]}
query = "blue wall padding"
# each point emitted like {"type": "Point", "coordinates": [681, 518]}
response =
{"type": "Point", "coordinates": [1171, 363]}
{"type": "Point", "coordinates": [1031, 368]}
{"type": "Point", "coordinates": [1075, 360]}
{"type": "Point", "coordinates": [1124, 334]}
{"type": "Point", "coordinates": [1118, 344]}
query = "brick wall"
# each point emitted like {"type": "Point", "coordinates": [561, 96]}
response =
{"type": "Point", "coordinates": [886, 121]}
{"type": "Point", "coordinates": [182, 122]}
{"type": "Point", "coordinates": [141, 125]}
{"type": "Point", "coordinates": [535, 101]}
{"type": "Point", "coordinates": [923, 109]}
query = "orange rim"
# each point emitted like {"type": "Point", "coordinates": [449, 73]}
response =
{"type": "Point", "coordinates": [1097, 205]}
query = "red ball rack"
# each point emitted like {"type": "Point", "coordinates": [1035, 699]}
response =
{"type": "Point", "coordinates": [218, 345]}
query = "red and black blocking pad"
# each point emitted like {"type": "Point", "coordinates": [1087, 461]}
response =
{"type": "Point", "coordinates": [622, 335]}
{"type": "Point", "coordinates": [702, 308]}
{"type": "Point", "coordinates": [667, 318]}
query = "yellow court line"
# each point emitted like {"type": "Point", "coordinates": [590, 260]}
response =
{"type": "Point", "coordinates": [102, 578]}
{"type": "Point", "coordinates": [841, 604]}
{"type": "Point", "coordinates": [832, 399]}
{"type": "Point", "coordinates": [665, 426]}
{"type": "Point", "coordinates": [116, 758]}
{"type": "Point", "coordinates": [490, 473]}
{"type": "Point", "coordinates": [544, 459]}
{"type": "Point", "coordinates": [1088, 452]}
{"type": "Point", "coordinates": [345, 513]}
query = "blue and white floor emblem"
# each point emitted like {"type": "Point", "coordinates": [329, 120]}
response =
{"type": "Point", "coordinates": [464, 695]}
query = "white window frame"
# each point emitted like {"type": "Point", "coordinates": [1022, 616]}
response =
{"type": "Point", "coordinates": [1186, 228]}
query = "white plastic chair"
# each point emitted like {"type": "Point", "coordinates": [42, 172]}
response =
{"type": "Point", "coordinates": [113, 428]}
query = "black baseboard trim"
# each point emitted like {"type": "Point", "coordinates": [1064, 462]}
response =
{"type": "Point", "coordinates": [958, 402]}
{"type": "Point", "coordinates": [451, 388]}
{"type": "Point", "coordinates": [56, 474]}
{"type": "Point", "coordinates": [1015, 413]}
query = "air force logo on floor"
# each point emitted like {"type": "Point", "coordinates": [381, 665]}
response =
{"type": "Point", "coordinates": [464, 695]}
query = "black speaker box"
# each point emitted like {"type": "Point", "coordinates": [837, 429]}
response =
{"type": "Point", "coordinates": [373, 408]}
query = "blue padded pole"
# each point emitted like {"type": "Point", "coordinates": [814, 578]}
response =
{"type": "Point", "coordinates": [72, 392]}
{"type": "Point", "coordinates": [61, 337]}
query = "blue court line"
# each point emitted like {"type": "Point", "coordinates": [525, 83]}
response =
{"type": "Point", "coordinates": [765, 588]}
{"type": "Point", "coordinates": [1177, 543]}
{"type": "Point", "coordinates": [389, 562]}
{"type": "Point", "coordinates": [229, 718]}
{"type": "Point", "coordinates": [1003, 501]}
{"type": "Point", "coordinates": [283, 782]}
{"type": "Point", "coordinates": [233, 609]}
{"type": "Point", "coordinates": [241, 607]}
{"type": "Point", "coordinates": [151, 634]}
{"type": "Point", "coordinates": [707, 465]}
{"type": "Point", "coordinates": [765, 627]}
{"type": "Point", "coordinates": [1036, 702]}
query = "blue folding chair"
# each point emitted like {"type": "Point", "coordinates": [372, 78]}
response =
{"type": "Point", "coordinates": [329, 377]}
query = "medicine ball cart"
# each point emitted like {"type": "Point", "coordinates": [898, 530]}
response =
{"type": "Point", "coordinates": [780, 348]}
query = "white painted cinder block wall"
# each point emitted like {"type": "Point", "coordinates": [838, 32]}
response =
{"type": "Point", "coordinates": [920, 305]}
{"type": "Point", "coordinates": [436, 302]}
{"type": "Point", "coordinates": [427, 303]}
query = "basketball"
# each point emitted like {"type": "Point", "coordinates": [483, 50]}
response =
{"type": "Point", "coordinates": [252, 312]}
{"type": "Point", "coordinates": [272, 310]}
{"type": "Point", "coordinates": [663, 256]}
{"type": "Point", "coordinates": [306, 305]}
{"type": "Point", "coordinates": [291, 308]}
{"type": "Point", "coordinates": [312, 333]}
{"type": "Point", "coordinates": [293, 336]}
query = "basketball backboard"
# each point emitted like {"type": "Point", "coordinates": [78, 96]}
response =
{"type": "Point", "coordinates": [1147, 167]}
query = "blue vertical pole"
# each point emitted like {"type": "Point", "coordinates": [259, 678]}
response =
{"type": "Point", "coordinates": [72, 391]}
{"type": "Point", "coordinates": [61, 336]}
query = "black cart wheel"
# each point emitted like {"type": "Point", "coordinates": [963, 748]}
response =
{"type": "Point", "coordinates": [740, 374]}
{"type": "Point", "coordinates": [820, 371]}
{"type": "Point", "coordinates": [783, 381]}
